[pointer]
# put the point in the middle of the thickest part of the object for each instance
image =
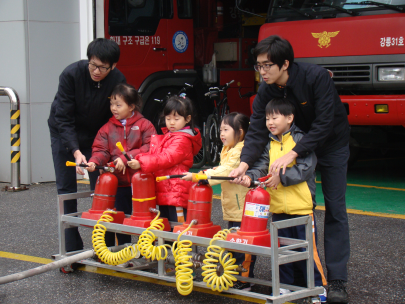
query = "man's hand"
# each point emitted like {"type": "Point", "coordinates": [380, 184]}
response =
{"type": "Point", "coordinates": [79, 159]}
{"type": "Point", "coordinates": [239, 172]}
{"type": "Point", "coordinates": [282, 162]}
{"type": "Point", "coordinates": [134, 164]}
{"type": "Point", "coordinates": [119, 165]}
{"type": "Point", "coordinates": [91, 167]}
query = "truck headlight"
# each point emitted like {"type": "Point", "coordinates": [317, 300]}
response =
{"type": "Point", "coordinates": [391, 74]}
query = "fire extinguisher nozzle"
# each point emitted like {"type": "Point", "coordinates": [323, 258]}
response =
{"type": "Point", "coordinates": [154, 210]}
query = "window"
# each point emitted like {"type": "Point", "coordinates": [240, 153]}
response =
{"type": "Point", "coordinates": [184, 9]}
{"type": "Point", "coordinates": [137, 17]}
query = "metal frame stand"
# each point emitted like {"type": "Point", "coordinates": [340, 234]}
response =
{"type": "Point", "coordinates": [278, 255]}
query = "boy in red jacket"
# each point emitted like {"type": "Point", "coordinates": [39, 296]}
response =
{"type": "Point", "coordinates": [129, 127]}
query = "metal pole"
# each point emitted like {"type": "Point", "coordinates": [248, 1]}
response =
{"type": "Point", "coordinates": [15, 137]}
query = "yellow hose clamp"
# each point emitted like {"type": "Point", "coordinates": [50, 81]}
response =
{"type": "Point", "coordinates": [161, 178]}
{"type": "Point", "coordinates": [198, 176]}
{"type": "Point", "coordinates": [119, 145]}
{"type": "Point", "coordinates": [143, 199]}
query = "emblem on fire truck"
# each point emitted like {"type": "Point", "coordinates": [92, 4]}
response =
{"type": "Point", "coordinates": [180, 41]}
{"type": "Point", "coordinates": [324, 38]}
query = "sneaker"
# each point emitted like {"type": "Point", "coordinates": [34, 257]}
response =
{"type": "Point", "coordinates": [337, 292]}
{"type": "Point", "coordinates": [282, 291]}
{"type": "Point", "coordinates": [322, 296]}
{"type": "Point", "coordinates": [242, 286]}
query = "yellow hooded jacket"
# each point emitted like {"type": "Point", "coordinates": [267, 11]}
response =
{"type": "Point", "coordinates": [232, 195]}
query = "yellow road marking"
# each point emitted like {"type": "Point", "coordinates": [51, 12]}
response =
{"type": "Point", "coordinates": [129, 276]}
{"type": "Point", "coordinates": [368, 186]}
{"type": "Point", "coordinates": [380, 214]}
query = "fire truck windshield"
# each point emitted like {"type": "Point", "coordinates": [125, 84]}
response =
{"type": "Point", "coordinates": [289, 10]}
{"type": "Point", "coordinates": [137, 17]}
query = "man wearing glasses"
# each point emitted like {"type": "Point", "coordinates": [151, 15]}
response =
{"type": "Point", "coordinates": [321, 114]}
{"type": "Point", "coordinates": [80, 108]}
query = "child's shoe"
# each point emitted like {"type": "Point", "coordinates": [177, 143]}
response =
{"type": "Point", "coordinates": [322, 296]}
{"type": "Point", "coordinates": [282, 291]}
{"type": "Point", "coordinates": [242, 286]}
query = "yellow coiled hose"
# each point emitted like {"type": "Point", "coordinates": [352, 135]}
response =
{"type": "Point", "coordinates": [101, 249]}
{"type": "Point", "coordinates": [147, 238]}
{"type": "Point", "coordinates": [214, 255]}
{"type": "Point", "coordinates": [184, 267]}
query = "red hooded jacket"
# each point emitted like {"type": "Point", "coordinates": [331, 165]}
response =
{"type": "Point", "coordinates": [170, 154]}
{"type": "Point", "coordinates": [135, 137]}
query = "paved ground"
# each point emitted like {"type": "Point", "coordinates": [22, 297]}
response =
{"type": "Point", "coordinates": [28, 226]}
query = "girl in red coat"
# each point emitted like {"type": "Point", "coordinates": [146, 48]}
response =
{"type": "Point", "coordinates": [170, 154]}
{"type": "Point", "coordinates": [129, 127]}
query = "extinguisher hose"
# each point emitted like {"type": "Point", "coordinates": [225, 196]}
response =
{"type": "Point", "coordinates": [101, 249]}
{"type": "Point", "coordinates": [214, 255]}
{"type": "Point", "coordinates": [184, 267]}
{"type": "Point", "coordinates": [147, 239]}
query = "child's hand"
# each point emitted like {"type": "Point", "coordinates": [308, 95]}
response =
{"type": "Point", "coordinates": [246, 181]}
{"type": "Point", "coordinates": [119, 165]}
{"type": "Point", "coordinates": [272, 182]}
{"type": "Point", "coordinates": [188, 176]}
{"type": "Point", "coordinates": [91, 167]}
{"type": "Point", "coordinates": [134, 164]}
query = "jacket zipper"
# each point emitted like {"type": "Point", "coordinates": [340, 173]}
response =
{"type": "Point", "coordinates": [125, 133]}
{"type": "Point", "coordinates": [281, 146]}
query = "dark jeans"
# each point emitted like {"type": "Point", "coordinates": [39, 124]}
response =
{"type": "Point", "coordinates": [333, 169]}
{"type": "Point", "coordinates": [246, 260]}
{"type": "Point", "coordinates": [123, 202]}
{"type": "Point", "coordinates": [290, 272]}
{"type": "Point", "coordinates": [66, 183]}
{"type": "Point", "coordinates": [170, 213]}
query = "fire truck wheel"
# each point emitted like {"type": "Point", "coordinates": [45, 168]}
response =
{"type": "Point", "coordinates": [200, 158]}
{"type": "Point", "coordinates": [212, 141]}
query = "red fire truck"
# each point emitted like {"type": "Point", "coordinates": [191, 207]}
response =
{"type": "Point", "coordinates": [167, 43]}
{"type": "Point", "coordinates": [363, 44]}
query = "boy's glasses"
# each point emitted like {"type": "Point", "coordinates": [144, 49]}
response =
{"type": "Point", "coordinates": [265, 67]}
{"type": "Point", "coordinates": [94, 67]}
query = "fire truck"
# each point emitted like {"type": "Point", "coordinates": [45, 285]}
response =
{"type": "Point", "coordinates": [167, 43]}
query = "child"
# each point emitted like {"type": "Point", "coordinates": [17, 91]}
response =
{"type": "Point", "coordinates": [233, 129]}
{"type": "Point", "coordinates": [129, 127]}
{"type": "Point", "coordinates": [170, 154]}
{"type": "Point", "coordinates": [292, 193]}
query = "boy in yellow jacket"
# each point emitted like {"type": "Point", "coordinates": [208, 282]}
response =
{"type": "Point", "coordinates": [292, 193]}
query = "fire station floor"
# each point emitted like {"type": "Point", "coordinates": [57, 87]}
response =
{"type": "Point", "coordinates": [376, 207]}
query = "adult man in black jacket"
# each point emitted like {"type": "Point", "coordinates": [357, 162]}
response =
{"type": "Point", "coordinates": [80, 108]}
{"type": "Point", "coordinates": [321, 114]}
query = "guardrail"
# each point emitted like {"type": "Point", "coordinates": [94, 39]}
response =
{"type": "Point", "coordinates": [14, 138]}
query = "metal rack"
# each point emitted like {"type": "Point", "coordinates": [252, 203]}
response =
{"type": "Point", "coordinates": [278, 255]}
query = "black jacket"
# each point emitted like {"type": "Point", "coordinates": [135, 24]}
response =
{"type": "Point", "coordinates": [319, 112]}
{"type": "Point", "coordinates": [81, 106]}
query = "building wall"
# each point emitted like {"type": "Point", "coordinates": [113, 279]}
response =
{"type": "Point", "coordinates": [39, 39]}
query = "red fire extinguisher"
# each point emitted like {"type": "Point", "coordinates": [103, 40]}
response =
{"type": "Point", "coordinates": [104, 198]}
{"type": "Point", "coordinates": [255, 215]}
{"type": "Point", "coordinates": [143, 198]}
{"type": "Point", "coordinates": [199, 208]}
{"type": "Point", "coordinates": [220, 16]}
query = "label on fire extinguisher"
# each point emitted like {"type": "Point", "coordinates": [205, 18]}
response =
{"type": "Point", "coordinates": [257, 210]}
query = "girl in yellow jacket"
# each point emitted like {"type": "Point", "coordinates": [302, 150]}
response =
{"type": "Point", "coordinates": [232, 133]}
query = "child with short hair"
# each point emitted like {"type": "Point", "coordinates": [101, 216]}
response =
{"type": "Point", "coordinates": [171, 154]}
{"type": "Point", "coordinates": [233, 129]}
{"type": "Point", "coordinates": [292, 193]}
{"type": "Point", "coordinates": [128, 126]}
